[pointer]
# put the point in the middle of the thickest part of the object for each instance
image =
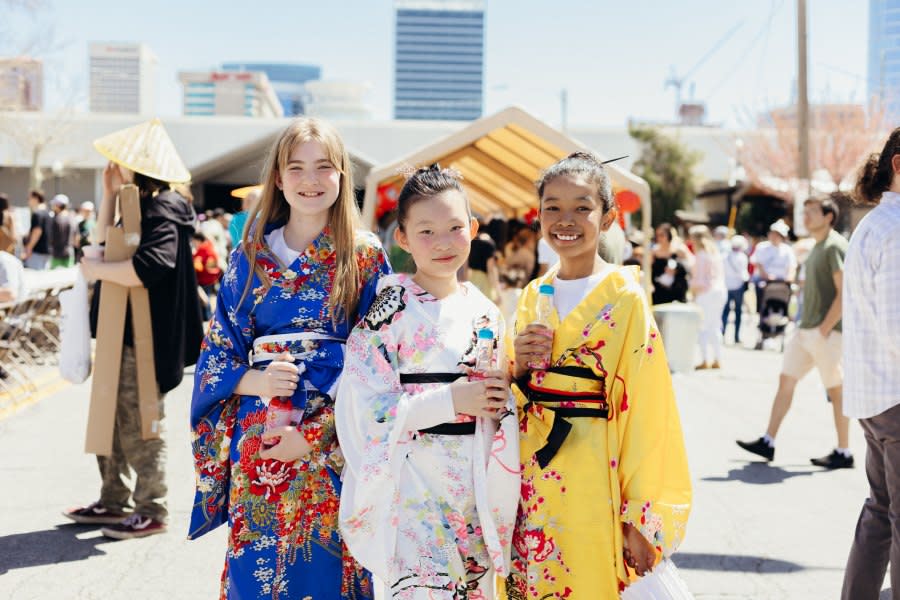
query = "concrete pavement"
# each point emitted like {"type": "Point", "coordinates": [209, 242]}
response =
{"type": "Point", "coordinates": [757, 531]}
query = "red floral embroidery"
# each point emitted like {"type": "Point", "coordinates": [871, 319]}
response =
{"type": "Point", "coordinates": [535, 544]}
{"type": "Point", "coordinates": [270, 478]}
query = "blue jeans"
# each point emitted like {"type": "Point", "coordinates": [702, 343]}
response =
{"type": "Point", "coordinates": [736, 297]}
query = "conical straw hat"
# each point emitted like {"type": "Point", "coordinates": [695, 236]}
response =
{"type": "Point", "coordinates": [243, 192]}
{"type": "Point", "coordinates": [145, 149]}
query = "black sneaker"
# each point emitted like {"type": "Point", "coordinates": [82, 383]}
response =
{"type": "Point", "coordinates": [135, 526]}
{"type": "Point", "coordinates": [759, 447]}
{"type": "Point", "coordinates": [95, 514]}
{"type": "Point", "coordinates": [835, 460]}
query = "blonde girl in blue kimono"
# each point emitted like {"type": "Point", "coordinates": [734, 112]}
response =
{"type": "Point", "coordinates": [292, 292]}
{"type": "Point", "coordinates": [431, 484]}
{"type": "Point", "coordinates": [605, 485]}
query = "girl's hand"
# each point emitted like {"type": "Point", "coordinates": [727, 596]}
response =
{"type": "Point", "coordinates": [532, 347]}
{"type": "Point", "coordinates": [280, 377]}
{"type": "Point", "coordinates": [290, 446]}
{"type": "Point", "coordinates": [639, 554]}
{"type": "Point", "coordinates": [480, 397]}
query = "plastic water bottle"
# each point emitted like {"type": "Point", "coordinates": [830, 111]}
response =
{"type": "Point", "coordinates": [278, 414]}
{"type": "Point", "coordinates": [484, 353]}
{"type": "Point", "coordinates": [544, 312]}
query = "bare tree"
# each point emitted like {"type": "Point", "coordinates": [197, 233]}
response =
{"type": "Point", "coordinates": [840, 136]}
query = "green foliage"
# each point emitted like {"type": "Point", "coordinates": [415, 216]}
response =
{"type": "Point", "coordinates": [668, 167]}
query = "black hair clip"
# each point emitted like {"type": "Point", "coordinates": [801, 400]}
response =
{"type": "Point", "coordinates": [606, 162]}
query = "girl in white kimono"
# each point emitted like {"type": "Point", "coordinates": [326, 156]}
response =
{"type": "Point", "coordinates": [431, 481]}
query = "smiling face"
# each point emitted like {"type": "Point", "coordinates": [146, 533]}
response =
{"type": "Point", "coordinates": [437, 232]}
{"type": "Point", "coordinates": [572, 218]}
{"type": "Point", "coordinates": [309, 180]}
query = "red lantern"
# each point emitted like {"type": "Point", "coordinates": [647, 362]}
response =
{"type": "Point", "coordinates": [628, 201]}
{"type": "Point", "coordinates": [387, 199]}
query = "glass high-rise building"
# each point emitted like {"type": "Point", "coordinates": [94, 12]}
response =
{"type": "Point", "coordinates": [287, 80]}
{"type": "Point", "coordinates": [439, 59]}
{"type": "Point", "coordinates": [884, 55]}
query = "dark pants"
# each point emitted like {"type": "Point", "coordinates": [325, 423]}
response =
{"type": "Point", "coordinates": [146, 457]}
{"type": "Point", "coordinates": [877, 539]}
{"type": "Point", "coordinates": [735, 297]}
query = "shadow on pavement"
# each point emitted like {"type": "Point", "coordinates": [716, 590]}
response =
{"type": "Point", "coordinates": [760, 473]}
{"type": "Point", "coordinates": [51, 546]}
{"type": "Point", "coordinates": [885, 594]}
{"type": "Point", "coordinates": [728, 562]}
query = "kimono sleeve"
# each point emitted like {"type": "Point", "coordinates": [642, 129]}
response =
{"type": "Point", "coordinates": [652, 464]}
{"type": "Point", "coordinates": [224, 354]}
{"type": "Point", "coordinates": [375, 420]}
{"type": "Point", "coordinates": [373, 265]}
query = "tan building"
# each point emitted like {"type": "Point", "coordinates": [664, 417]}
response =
{"type": "Point", "coordinates": [21, 84]}
{"type": "Point", "coordinates": [229, 93]}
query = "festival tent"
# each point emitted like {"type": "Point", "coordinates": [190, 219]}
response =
{"type": "Point", "coordinates": [500, 157]}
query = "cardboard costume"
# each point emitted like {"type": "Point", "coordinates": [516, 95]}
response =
{"type": "Point", "coordinates": [160, 318]}
{"type": "Point", "coordinates": [121, 244]}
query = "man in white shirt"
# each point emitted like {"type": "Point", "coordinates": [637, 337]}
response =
{"type": "Point", "coordinates": [872, 371]}
{"type": "Point", "coordinates": [773, 259]}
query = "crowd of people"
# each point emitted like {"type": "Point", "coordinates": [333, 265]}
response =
{"type": "Point", "coordinates": [480, 426]}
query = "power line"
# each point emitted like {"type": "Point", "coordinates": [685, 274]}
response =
{"type": "Point", "coordinates": [763, 30]}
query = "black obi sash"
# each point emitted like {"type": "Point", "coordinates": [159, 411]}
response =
{"type": "Point", "coordinates": [551, 399]}
{"type": "Point", "coordinates": [443, 428]}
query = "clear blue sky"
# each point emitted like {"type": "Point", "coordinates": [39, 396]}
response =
{"type": "Point", "coordinates": [612, 57]}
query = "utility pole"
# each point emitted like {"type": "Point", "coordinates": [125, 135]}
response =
{"type": "Point", "coordinates": [802, 98]}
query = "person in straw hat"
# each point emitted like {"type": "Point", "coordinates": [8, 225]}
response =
{"type": "Point", "coordinates": [145, 156]}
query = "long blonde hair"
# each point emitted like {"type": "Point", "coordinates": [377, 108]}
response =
{"type": "Point", "coordinates": [703, 239]}
{"type": "Point", "coordinates": [343, 216]}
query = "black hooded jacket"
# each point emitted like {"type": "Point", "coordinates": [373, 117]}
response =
{"type": "Point", "coordinates": [164, 263]}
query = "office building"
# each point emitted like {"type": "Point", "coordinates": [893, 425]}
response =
{"type": "Point", "coordinates": [21, 84]}
{"type": "Point", "coordinates": [221, 93]}
{"type": "Point", "coordinates": [287, 79]}
{"type": "Point", "coordinates": [122, 78]}
{"type": "Point", "coordinates": [439, 59]}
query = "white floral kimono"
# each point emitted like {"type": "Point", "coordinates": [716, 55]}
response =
{"type": "Point", "coordinates": [429, 496]}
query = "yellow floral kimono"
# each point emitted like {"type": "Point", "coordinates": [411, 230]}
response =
{"type": "Point", "coordinates": [601, 444]}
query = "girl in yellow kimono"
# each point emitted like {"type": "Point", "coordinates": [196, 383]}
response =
{"type": "Point", "coordinates": [605, 485]}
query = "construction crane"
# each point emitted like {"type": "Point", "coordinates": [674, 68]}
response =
{"type": "Point", "coordinates": [677, 82]}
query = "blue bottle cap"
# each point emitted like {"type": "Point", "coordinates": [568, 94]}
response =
{"type": "Point", "coordinates": [546, 288]}
{"type": "Point", "coordinates": [485, 334]}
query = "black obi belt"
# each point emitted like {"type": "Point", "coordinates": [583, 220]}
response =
{"type": "Point", "coordinates": [565, 405]}
{"type": "Point", "coordinates": [444, 428]}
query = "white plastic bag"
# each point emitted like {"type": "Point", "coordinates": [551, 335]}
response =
{"type": "Point", "coordinates": [662, 583]}
{"type": "Point", "coordinates": [75, 332]}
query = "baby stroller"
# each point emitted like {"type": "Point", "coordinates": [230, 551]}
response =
{"type": "Point", "coordinates": [774, 303]}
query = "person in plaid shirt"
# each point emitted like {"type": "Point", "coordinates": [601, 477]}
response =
{"type": "Point", "coordinates": [871, 374]}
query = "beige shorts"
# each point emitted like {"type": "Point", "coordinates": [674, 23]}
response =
{"type": "Point", "coordinates": [807, 349]}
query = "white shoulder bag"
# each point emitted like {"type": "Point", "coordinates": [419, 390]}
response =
{"type": "Point", "coordinates": [75, 332]}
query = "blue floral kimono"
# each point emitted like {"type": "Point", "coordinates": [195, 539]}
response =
{"type": "Point", "coordinates": [284, 541]}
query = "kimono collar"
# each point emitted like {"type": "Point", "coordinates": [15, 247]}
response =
{"type": "Point", "coordinates": [319, 250]}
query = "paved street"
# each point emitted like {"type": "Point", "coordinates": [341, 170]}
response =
{"type": "Point", "coordinates": [757, 531]}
